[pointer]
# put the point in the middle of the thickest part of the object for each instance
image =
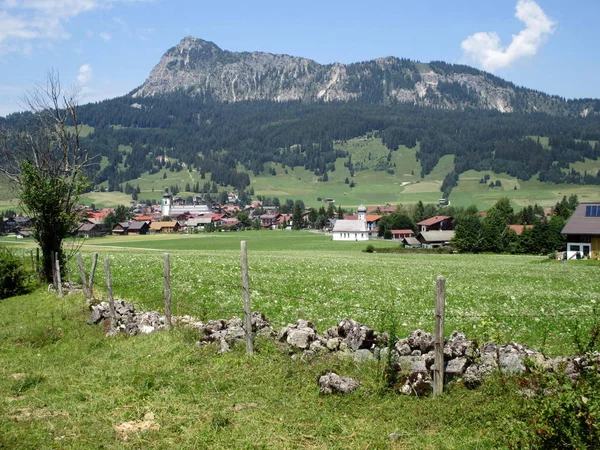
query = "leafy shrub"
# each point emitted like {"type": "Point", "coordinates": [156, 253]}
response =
{"type": "Point", "coordinates": [560, 413]}
{"type": "Point", "coordinates": [370, 249]}
{"type": "Point", "coordinates": [13, 278]}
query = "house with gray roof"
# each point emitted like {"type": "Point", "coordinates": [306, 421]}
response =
{"type": "Point", "coordinates": [435, 239]}
{"type": "Point", "coordinates": [583, 230]}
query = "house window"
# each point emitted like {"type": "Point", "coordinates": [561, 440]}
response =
{"type": "Point", "coordinates": [592, 211]}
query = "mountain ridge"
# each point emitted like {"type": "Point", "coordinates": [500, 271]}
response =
{"type": "Point", "coordinates": [201, 68]}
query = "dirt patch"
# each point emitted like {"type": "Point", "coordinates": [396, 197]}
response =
{"type": "Point", "coordinates": [124, 429]}
{"type": "Point", "coordinates": [242, 406]}
{"type": "Point", "coordinates": [25, 414]}
{"type": "Point", "coordinates": [16, 376]}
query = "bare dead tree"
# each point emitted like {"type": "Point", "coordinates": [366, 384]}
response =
{"type": "Point", "coordinates": [44, 160]}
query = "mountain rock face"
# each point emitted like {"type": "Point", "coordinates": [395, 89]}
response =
{"type": "Point", "coordinates": [198, 67]}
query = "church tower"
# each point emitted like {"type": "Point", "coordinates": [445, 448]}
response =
{"type": "Point", "coordinates": [165, 204]}
{"type": "Point", "coordinates": [362, 213]}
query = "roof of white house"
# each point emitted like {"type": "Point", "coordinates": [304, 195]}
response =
{"type": "Point", "coordinates": [355, 226]}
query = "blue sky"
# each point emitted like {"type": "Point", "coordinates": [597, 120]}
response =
{"type": "Point", "coordinates": [108, 47]}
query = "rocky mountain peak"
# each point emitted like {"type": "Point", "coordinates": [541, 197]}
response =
{"type": "Point", "coordinates": [199, 67]}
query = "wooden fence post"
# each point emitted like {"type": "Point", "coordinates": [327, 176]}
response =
{"type": "Point", "coordinates": [31, 257]}
{"type": "Point", "coordinates": [53, 266]}
{"type": "Point", "coordinates": [168, 322]}
{"type": "Point", "coordinates": [440, 312]}
{"type": "Point", "coordinates": [84, 286]}
{"type": "Point", "coordinates": [58, 279]}
{"type": "Point", "coordinates": [37, 260]}
{"type": "Point", "coordinates": [109, 293]}
{"type": "Point", "coordinates": [246, 298]}
{"type": "Point", "coordinates": [92, 273]}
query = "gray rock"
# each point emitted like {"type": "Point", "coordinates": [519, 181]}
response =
{"type": "Point", "coordinates": [472, 376]}
{"type": "Point", "coordinates": [234, 322]}
{"type": "Point", "coordinates": [96, 316]}
{"type": "Point", "coordinates": [416, 353]}
{"type": "Point", "coordinates": [418, 367]}
{"type": "Point", "coordinates": [332, 383]}
{"type": "Point", "coordinates": [510, 360]}
{"type": "Point", "coordinates": [456, 366]}
{"type": "Point", "coordinates": [235, 334]}
{"type": "Point", "coordinates": [356, 335]}
{"type": "Point", "coordinates": [406, 362]}
{"type": "Point", "coordinates": [283, 333]}
{"type": "Point", "coordinates": [417, 383]}
{"type": "Point", "coordinates": [260, 322]}
{"type": "Point", "coordinates": [458, 344]}
{"type": "Point", "coordinates": [316, 346]}
{"type": "Point", "coordinates": [223, 346]}
{"type": "Point", "coordinates": [333, 344]}
{"type": "Point", "coordinates": [403, 348]}
{"type": "Point", "coordinates": [421, 340]}
{"type": "Point", "coordinates": [301, 338]}
{"type": "Point", "coordinates": [362, 355]}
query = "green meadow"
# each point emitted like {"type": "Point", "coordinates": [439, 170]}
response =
{"type": "Point", "coordinates": [65, 385]}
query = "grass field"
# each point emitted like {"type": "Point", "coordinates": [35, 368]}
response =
{"type": "Point", "coordinates": [66, 386]}
{"type": "Point", "coordinates": [304, 275]}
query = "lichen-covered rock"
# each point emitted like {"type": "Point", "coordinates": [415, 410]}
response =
{"type": "Point", "coordinates": [332, 383]}
{"type": "Point", "coordinates": [403, 348]}
{"type": "Point", "coordinates": [301, 337]}
{"type": "Point", "coordinates": [510, 360]}
{"type": "Point", "coordinates": [456, 366]}
{"type": "Point", "coordinates": [421, 340]}
{"type": "Point", "coordinates": [457, 345]}
{"type": "Point", "coordinates": [356, 335]}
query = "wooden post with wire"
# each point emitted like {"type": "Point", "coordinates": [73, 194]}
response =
{"type": "Point", "coordinates": [92, 273]}
{"type": "Point", "coordinates": [168, 322]}
{"type": "Point", "coordinates": [53, 266]}
{"type": "Point", "coordinates": [58, 279]}
{"type": "Point", "coordinates": [84, 285]}
{"type": "Point", "coordinates": [440, 312]}
{"type": "Point", "coordinates": [109, 293]}
{"type": "Point", "coordinates": [246, 298]}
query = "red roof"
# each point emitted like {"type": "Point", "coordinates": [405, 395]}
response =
{"type": "Point", "coordinates": [97, 215]}
{"type": "Point", "coordinates": [433, 220]}
{"type": "Point", "coordinates": [373, 217]}
{"type": "Point", "coordinates": [519, 228]}
{"type": "Point", "coordinates": [142, 218]}
{"type": "Point", "coordinates": [403, 231]}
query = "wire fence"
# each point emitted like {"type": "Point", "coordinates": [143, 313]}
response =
{"type": "Point", "coordinates": [551, 328]}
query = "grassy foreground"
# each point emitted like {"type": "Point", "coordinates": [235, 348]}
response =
{"type": "Point", "coordinates": [65, 385]}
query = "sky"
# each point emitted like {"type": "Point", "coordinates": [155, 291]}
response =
{"type": "Point", "coordinates": [106, 48]}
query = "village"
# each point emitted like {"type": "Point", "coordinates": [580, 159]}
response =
{"type": "Point", "coordinates": [176, 215]}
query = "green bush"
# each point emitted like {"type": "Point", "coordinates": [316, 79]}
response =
{"type": "Point", "coordinates": [13, 277]}
{"type": "Point", "coordinates": [370, 249]}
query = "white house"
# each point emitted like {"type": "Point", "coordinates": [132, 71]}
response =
{"type": "Point", "coordinates": [350, 230]}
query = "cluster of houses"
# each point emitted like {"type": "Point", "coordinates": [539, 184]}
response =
{"type": "Point", "coordinates": [582, 229]}
{"type": "Point", "coordinates": [433, 232]}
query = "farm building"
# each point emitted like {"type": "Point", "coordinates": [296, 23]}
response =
{"type": "Point", "coordinates": [436, 223]}
{"type": "Point", "coordinates": [435, 239]}
{"type": "Point", "coordinates": [401, 234]}
{"type": "Point", "coordinates": [164, 227]}
{"type": "Point", "coordinates": [583, 230]}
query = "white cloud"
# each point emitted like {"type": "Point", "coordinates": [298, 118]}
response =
{"type": "Point", "coordinates": [485, 48]}
{"type": "Point", "coordinates": [104, 35]}
{"type": "Point", "coordinates": [84, 75]}
{"type": "Point", "coordinates": [43, 20]}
